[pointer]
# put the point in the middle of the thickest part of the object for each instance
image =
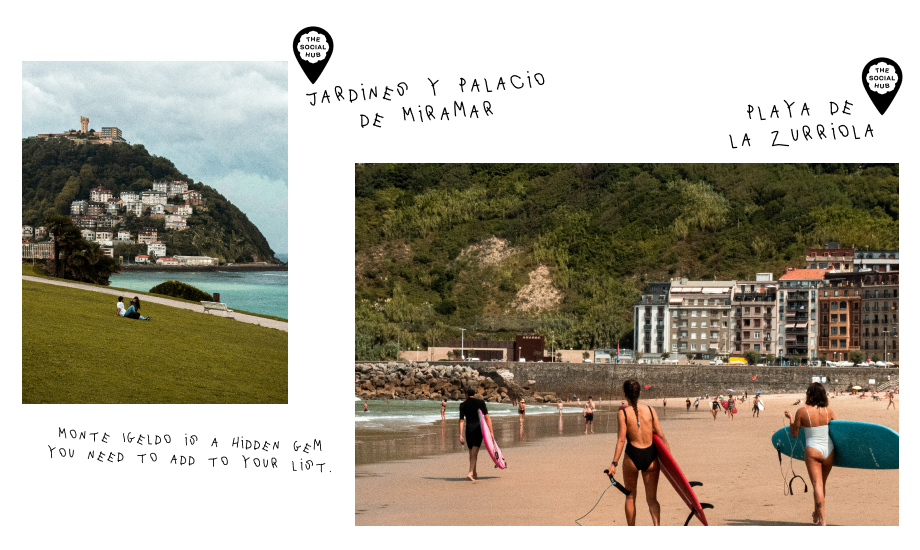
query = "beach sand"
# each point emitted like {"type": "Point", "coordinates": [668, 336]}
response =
{"type": "Point", "coordinates": [556, 480]}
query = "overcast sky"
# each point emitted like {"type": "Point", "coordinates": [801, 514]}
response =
{"type": "Point", "coordinates": [222, 123]}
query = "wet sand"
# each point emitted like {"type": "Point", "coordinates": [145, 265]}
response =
{"type": "Point", "coordinates": [553, 480]}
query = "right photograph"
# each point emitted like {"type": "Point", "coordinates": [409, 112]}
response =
{"type": "Point", "coordinates": [520, 330]}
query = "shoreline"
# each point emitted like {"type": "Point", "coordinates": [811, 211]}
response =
{"type": "Point", "coordinates": [202, 268]}
{"type": "Point", "coordinates": [562, 471]}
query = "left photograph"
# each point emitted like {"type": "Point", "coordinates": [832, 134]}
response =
{"type": "Point", "coordinates": [154, 232]}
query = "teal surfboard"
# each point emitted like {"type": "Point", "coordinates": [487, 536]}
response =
{"type": "Point", "coordinates": [856, 445]}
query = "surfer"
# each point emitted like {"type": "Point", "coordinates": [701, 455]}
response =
{"type": "Point", "coordinates": [815, 418]}
{"type": "Point", "coordinates": [635, 429]}
{"type": "Point", "coordinates": [589, 415]}
{"type": "Point", "coordinates": [469, 412]}
{"type": "Point", "coordinates": [443, 408]}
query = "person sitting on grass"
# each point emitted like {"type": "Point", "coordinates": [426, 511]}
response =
{"type": "Point", "coordinates": [132, 311]}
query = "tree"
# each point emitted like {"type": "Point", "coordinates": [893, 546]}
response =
{"type": "Point", "coordinates": [770, 359]}
{"type": "Point", "coordinates": [752, 356]}
{"type": "Point", "coordinates": [450, 355]}
{"type": "Point", "coordinates": [856, 357]}
{"type": "Point", "coordinates": [585, 355]}
{"type": "Point", "coordinates": [665, 355]}
{"type": "Point", "coordinates": [689, 357]}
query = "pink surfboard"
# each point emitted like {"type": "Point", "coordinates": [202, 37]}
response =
{"type": "Point", "coordinates": [678, 480]}
{"type": "Point", "coordinates": [494, 452]}
{"type": "Point", "coordinates": [725, 404]}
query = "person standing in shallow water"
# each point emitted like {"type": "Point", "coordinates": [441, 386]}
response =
{"type": "Point", "coordinates": [636, 426]}
{"type": "Point", "coordinates": [815, 419]}
{"type": "Point", "coordinates": [443, 408]}
{"type": "Point", "coordinates": [471, 429]}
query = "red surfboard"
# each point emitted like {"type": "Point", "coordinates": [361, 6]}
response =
{"type": "Point", "coordinates": [678, 480]}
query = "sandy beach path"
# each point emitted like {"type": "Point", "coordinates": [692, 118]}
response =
{"type": "Point", "coordinates": [556, 480]}
{"type": "Point", "coordinates": [252, 319]}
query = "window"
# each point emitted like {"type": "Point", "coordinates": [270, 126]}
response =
{"type": "Point", "coordinates": [833, 331]}
{"type": "Point", "coordinates": [834, 318]}
{"type": "Point", "coordinates": [843, 317]}
{"type": "Point", "coordinates": [693, 347]}
{"type": "Point", "coordinates": [693, 313]}
{"type": "Point", "coordinates": [674, 314]}
{"type": "Point", "coordinates": [693, 336]}
{"type": "Point", "coordinates": [683, 334]}
{"type": "Point", "coordinates": [757, 347]}
{"type": "Point", "coordinates": [833, 343]}
{"type": "Point", "coordinates": [756, 311]}
{"type": "Point", "coordinates": [715, 335]}
{"type": "Point", "coordinates": [696, 302]}
{"type": "Point", "coordinates": [706, 302]}
{"type": "Point", "coordinates": [724, 324]}
{"type": "Point", "coordinates": [780, 340]}
{"type": "Point", "coordinates": [843, 331]}
{"type": "Point", "coordinates": [747, 311]}
{"type": "Point", "coordinates": [704, 313]}
{"type": "Point", "coordinates": [683, 345]}
{"type": "Point", "coordinates": [703, 324]}
{"type": "Point", "coordinates": [756, 335]}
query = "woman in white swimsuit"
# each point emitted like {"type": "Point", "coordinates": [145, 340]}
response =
{"type": "Point", "coordinates": [815, 418]}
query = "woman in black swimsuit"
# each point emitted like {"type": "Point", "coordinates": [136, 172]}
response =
{"type": "Point", "coordinates": [635, 428]}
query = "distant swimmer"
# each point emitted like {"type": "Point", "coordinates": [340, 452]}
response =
{"type": "Point", "coordinates": [635, 429]}
{"type": "Point", "coordinates": [521, 410]}
{"type": "Point", "coordinates": [471, 428]}
{"type": "Point", "coordinates": [443, 408]}
{"type": "Point", "coordinates": [815, 418]}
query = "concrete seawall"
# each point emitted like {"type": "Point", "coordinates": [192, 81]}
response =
{"type": "Point", "coordinates": [679, 381]}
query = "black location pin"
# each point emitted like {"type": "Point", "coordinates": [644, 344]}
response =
{"type": "Point", "coordinates": [882, 79]}
{"type": "Point", "coordinates": [313, 48]}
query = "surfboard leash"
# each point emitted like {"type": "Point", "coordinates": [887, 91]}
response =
{"type": "Point", "coordinates": [779, 455]}
{"type": "Point", "coordinates": [613, 483]}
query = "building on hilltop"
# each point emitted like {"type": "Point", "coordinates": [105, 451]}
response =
{"type": "Point", "coordinates": [830, 257]}
{"type": "Point", "coordinates": [84, 124]}
{"type": "Point", "coordinates": [156, 248]}
{"type": "Point", "coordinates": [142, 259]}
{"type": "Point", "coordinates": [177, 222]}
{"type": "Point", "coordinates": [192, 197]}
{"type": "Point", "coordinates": [147, 235]}
{"type": "Point", "coordinates": [876, 260]}
{"type": "Point", "coordinates": [111, 133]}
{"type": "Point", "coordinates": [149, 198]}
{"type": "Point", "coordinates": [88, 234]}
{"type": "Point", "coordinates": [84, 221]}
{"type": "Point", "coordinates": [27, 232]}
{"type": "Point", "coordinates": [40, 232]}
{"type": "Point", "coordinates": [78, 208]}
{"type": "Point", "coordinates": [99, 194]}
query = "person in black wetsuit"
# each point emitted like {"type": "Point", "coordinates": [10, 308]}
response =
{"type": "Point", "coordinates": [635, 428]}
{"type": "Point", "coordinates": [471, 429]}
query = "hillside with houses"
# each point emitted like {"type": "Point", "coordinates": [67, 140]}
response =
{"type": "Point", "coordinates": [137, 206]}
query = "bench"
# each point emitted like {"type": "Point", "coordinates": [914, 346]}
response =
{"type": "Point", "coordinates": [217, 306]}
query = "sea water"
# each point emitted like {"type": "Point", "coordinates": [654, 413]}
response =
{"type": "Point", "coordinates": [264, 292]}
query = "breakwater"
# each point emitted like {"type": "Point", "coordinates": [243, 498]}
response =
{"type": "Point", "coordinates": [549, 382]}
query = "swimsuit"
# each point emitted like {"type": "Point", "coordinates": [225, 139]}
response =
{"type": "Point", "coordinates": [521, 411]}
{"type": "Point", "coordinates": [818, 438]}
{"type": "Point", "coordinates": [644, 457]}
{"type": "Point", "coordinates": [589, 417]}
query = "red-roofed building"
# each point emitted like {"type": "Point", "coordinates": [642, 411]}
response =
{"type": "Point", "coordinates": [798, 314]}
{"type": "Point", "coordinates": [830, 257]}
{"type": "Point", "coordinates": [99, 194]}
{"type": "Point", "coordinates": [142, 259]}
{"type": "Point", "coordinates": [167, 261]}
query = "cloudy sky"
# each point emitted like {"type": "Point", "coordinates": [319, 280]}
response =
{"type": "Point", "coordinates": [222, 123]}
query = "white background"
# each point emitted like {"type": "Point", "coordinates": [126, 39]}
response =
{"type": "Point", "coordinates": [664, 83]}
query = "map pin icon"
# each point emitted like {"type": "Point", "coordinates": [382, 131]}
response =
{"type": "Point", "coordinates": [882, 79]}
{"type": "Point", "coordinates": [312, 48]}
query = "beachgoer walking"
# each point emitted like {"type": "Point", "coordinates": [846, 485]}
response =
{"type": "Point", "coordinates": [521, 407]}
{"type": "Point", "coordinates": [443, 409]}
{"type": "Point", "coordinates": [688, 404]}
{"type": "Point", "coordinates": [756, 408]}
{"type": "Point", "coordinates": [471, 428]}
{"type": "Point", "coordinates": [589, 415]}
{"type": "Point", "coordinates": [636, 428]}
{"type": "Point", "coordinates": [890, 401]}
{"type": "Point", "coordinates": [715, 409]}
{"type": "Point", "coordinates": [696, 404]}
{"type": "Point", "coordinates": [665, 403]}
{"type": "Point", "coordinates": [731, 407]}
{"type": "Point", "coordinates": [560, 405]}
{"type": "Point", "coordinates": [815, 418]}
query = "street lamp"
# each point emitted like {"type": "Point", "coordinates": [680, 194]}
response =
{"type": "Point", "coordinates": [885, 334]}
{"type": "Point", "coordinates": [416, 354]}
{"type": "Point", "coordinates": [553, 348]}
{"type": "Point", "coordinates": [462, 357]}
{"type": "Point", "coordinates": [519, 353]}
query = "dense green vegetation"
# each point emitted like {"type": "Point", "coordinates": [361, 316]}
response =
{"type": "Point", "coordinates": [56, 172]}
{"type": "Point", "coordinates": [178, 289]}
{"type": "Point", "coordinates": [77, 259]}
{"type": "Point", "coordinates": [603, 231]}
{"type": "Point", "coordinates": [75, 350]}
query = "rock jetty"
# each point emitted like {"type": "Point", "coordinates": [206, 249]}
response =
{"type": "Point", "coordinates": [413, 381]}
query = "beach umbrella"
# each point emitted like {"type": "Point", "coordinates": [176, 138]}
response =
{"type": "Point", "coordinates": [857, 387]}
{"type": "Point", "coordinates": [760, 392]}
{"type": "Point", "coordinates": [729, 390]}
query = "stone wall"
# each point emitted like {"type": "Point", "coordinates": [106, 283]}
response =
{"type": "Point", "coordinates": [548, 382]}
{"type": "Point", "coordinates": [679, 381]}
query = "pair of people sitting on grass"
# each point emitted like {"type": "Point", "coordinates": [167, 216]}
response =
{"type": "Point", "coordinates": [132, 311]}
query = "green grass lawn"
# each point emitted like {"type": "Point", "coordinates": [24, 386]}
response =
{"type": "Point", "coordinates": [75, 350]}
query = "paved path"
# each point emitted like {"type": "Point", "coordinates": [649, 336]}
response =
{"type": "Point", "coordinates": [261, 321]}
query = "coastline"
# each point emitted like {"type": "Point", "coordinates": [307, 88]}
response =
{"type": "Point", "coordinates": [563, 473]}
{"type": "Point", "coordinates": [203, 268]}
